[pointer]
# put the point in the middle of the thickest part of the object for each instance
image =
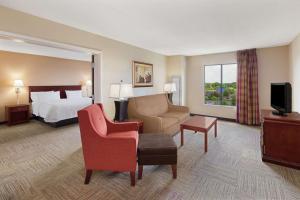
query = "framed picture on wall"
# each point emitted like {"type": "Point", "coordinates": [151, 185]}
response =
{"type": "Point", "coordinates": [142, 74]}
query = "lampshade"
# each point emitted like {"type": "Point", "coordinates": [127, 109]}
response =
{"type": "Point", "coordinates": [121, 91]}
{"type": "Point", "coordinates": [170, 87]}
{"type": "Point", "coordinates": [18, 83]}
{"type": "Point", "coordinates": [88, 83]}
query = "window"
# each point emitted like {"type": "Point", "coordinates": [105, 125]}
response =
{"type": "Point", "coordinates": [220, 84]}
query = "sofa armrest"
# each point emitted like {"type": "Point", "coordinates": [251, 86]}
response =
{"type": "Point", "coordinates": [179, 108]}
{"type": "Point", "coordinates": [150, 123]}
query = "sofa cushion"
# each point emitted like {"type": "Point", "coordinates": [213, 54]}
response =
{"type": "Point", "coordinates": [168, 122]}
{"type": "Point", "coordinates": [181, 116]}
{"type": "Point", "coordinates": [172, 130]}
{"type": "Point", "coordinates": [152, 105]}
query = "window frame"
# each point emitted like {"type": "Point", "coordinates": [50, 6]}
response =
{"type": "Point", "coordinates": [221, 83]}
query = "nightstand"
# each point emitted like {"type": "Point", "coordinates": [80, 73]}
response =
{"type": "Point", "coordinates": [15, 114]}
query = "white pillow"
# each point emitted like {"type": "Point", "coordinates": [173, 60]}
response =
{"type": "Point", "coordinates": [49, 96]}
{"type": "Point", "coordinates": [45, 96]}
{"type": "Point", "coordinates": [34, 96]}
{"type": "Point", "coordinates": [74, 94]}
{"type": "Point", "coordinates": [56, 95]}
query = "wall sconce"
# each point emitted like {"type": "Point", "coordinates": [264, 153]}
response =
{"type": "Point", "coordinates": [18, 84]}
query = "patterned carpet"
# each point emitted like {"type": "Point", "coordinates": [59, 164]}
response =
{"type": "Point", "coordinates": [41, 162]}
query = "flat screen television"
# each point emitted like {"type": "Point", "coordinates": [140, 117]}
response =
{"type": "Point", "coordinates": [281, 98]}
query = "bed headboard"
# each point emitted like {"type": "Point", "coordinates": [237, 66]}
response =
{"type": "Point", "coordinates": [60, 88]}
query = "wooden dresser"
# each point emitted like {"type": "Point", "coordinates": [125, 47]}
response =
{"type": "Point", "coordinates": [16, 114]}
{"type": "Point", "coordinates": [280, 139]}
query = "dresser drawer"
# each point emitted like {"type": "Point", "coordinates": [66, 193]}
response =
{"type": "Point", "coordinates": [15, 114]}
{"type": "Point", "coordinates": [19, 109]}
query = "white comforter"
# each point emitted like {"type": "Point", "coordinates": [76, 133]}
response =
{"type": "Point", "coordinates": [54, 111]}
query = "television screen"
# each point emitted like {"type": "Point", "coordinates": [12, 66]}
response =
{"type": "Point", "coordinates": [278, 95]}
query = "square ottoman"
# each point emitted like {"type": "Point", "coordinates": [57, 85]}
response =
{"type": "Point", "coordinates": [156, 149]}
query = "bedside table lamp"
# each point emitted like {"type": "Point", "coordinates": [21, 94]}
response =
{"type": "Point", "coordinates": [18, 84]}
{"type": "Point", "coordinates": [121, 92]}
{"type": "Point", "coordinates": [169, 88]}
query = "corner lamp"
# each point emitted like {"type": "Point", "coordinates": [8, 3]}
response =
{"type": "Point", "coordinates": [169, 88]}
{"type": "Point", "coordinates": [121, 92]}
{"type": "Point", "coordinates": [88, 85]}
{"type": "Point", "coordinates": [18, 84]}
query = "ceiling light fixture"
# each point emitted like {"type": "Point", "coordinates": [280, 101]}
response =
{"type": "Point", "coordinates": [18, 40]}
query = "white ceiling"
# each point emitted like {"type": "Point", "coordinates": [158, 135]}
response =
{"type": "Point", "coordinates": [177, 27]}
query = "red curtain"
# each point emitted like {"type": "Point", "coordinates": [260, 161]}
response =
{"type": "Point", "coordinates": [247, 91]}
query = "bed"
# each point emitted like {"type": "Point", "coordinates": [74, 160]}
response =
{"type": "Point", "coordinates": [51, 105]}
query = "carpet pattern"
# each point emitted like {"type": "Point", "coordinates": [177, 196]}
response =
{"type": "Point", "coordinates": [41, 162]}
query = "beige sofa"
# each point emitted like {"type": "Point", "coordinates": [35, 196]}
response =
{"type": "Point", "coordinates": [157, 113]}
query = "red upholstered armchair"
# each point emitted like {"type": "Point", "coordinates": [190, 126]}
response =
{"type": "Point", "coordinates": [107, 145]}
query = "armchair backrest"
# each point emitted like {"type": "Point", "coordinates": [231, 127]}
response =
{"type": "Point", "coordinates": [92, 120]}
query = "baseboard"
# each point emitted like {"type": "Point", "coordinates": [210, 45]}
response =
{"type": "Point", "coordinates": [3, 122]}
{"type": "Point", "coordinates": [280, 162]}
{"type": "Point", "coordinates": [220, 118]}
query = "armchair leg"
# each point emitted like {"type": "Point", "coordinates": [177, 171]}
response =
{"type": "Point", "coordinates": [174, 170]}
{"type": "Point", "coordinates": [140, 172]}
{"type": "Point", "coordinates": [88, 175]}
{"type": "Point", "coordinates": [132, 178]}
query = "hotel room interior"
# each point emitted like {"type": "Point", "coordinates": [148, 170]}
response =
{"type": "Point", "coordinates": [142, 99]}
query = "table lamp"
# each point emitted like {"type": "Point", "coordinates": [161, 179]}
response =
{"type": "Point", "coordinates": [169, 88]}
{"type": "Point", "coordinates": [18, 84]}
{"type": "Point", "coordinates": [121, 92]}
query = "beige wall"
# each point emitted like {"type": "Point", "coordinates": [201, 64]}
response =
{"type": "Point", "coordinates": [117, 56]}
{"type": "Point", "coordinates": [37, 70]}
{"type": "Point", "coordinates": [272, 66]}
{"type": "Point", "coordinates": [295, 72]}
{"type": "Point", "coordinates": [195, 84]}
{"type": "Point", "coordinates": [176, 66]}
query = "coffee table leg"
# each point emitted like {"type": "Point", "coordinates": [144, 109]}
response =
{"type": "Point", "coordinates": [216, 129]}
{"type": "Point", "coordinates": [181, 130]}
{"type": "Point", "coordinates": [140, 172]}
{"type": "Point", "coordinates": [205, 142]}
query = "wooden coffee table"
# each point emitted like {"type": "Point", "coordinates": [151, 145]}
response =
{"type": "Point", "coordinates": [199, 124]}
